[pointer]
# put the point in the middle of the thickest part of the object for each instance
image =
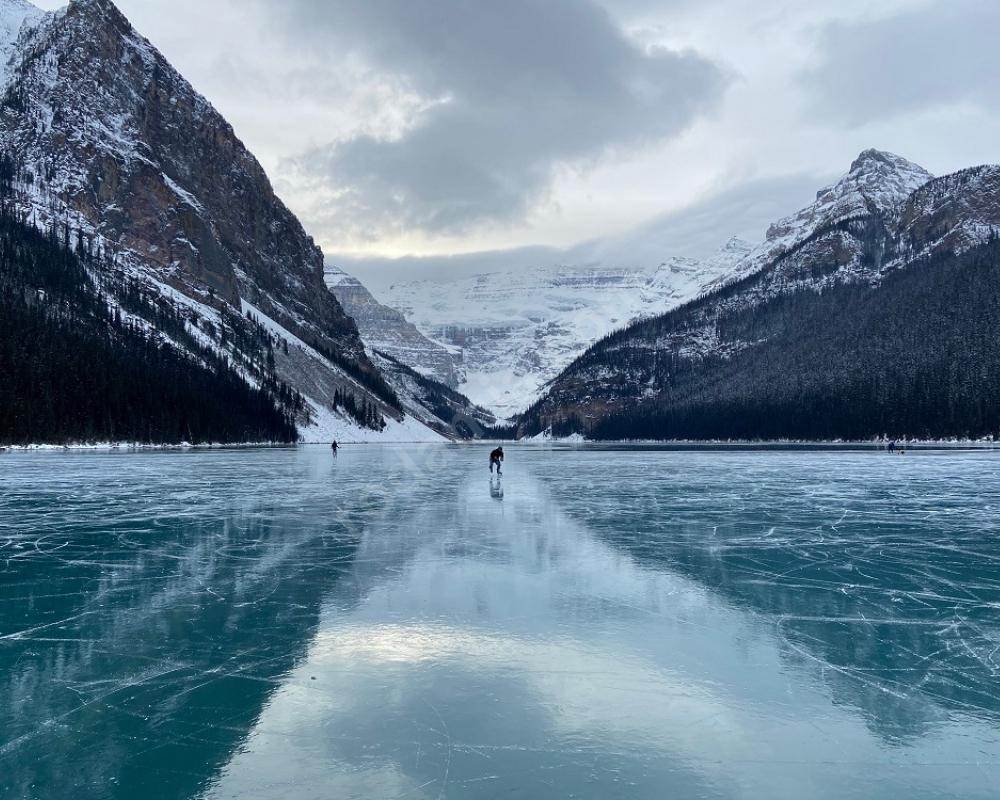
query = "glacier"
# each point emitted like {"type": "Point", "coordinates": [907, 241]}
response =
{"type": "Point", "coordinates": [512, 331]}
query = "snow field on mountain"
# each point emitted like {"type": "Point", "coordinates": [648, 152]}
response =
{"type": "Point", "coordinates": [328, 426]}
{"type": "Point", "coordinates": [517, 330]}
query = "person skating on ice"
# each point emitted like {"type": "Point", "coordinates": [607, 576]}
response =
{"type": "Point", "coordinates": [496, 457]}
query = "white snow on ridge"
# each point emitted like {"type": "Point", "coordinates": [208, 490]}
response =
{"type": "Point", "coordinates": [328, 425]}
{"type": "Point", "coordinates": [183, 193]}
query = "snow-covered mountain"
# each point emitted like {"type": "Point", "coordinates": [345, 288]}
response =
{"type": "Point", "coordinates": [114, 145]}
{"type": "Point", "coordinates": [877, 184]}
{"type": "Point", "coordinates": [787, 326]}
{"type": "Point", "coordinates": [512, 331]}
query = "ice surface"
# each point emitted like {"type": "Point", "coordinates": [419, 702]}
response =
{"type": "Point", "coordinates": [388, 622]}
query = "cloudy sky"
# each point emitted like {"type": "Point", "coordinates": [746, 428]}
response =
{"type": "Point", "coordinates": [435, 127]}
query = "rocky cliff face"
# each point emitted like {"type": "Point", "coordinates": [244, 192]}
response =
{"type": "Point", "coordinates": [951, 213]}
{"type": "Point", "coordinates": [386, 330]}
{"type": "Point", "coordinates": [883, 216]}
{"type": "Point", "coordinates": [112, 141]}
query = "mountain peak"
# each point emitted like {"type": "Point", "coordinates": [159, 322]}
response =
{"type": "Point", "coordinates": [737, 245]}
{"type": "Point", "coordinates": [101, 5]}
{"type": "Point", "coordinates": [335, 276]}
{"type": "Point", "coordinates": [873, 159]}
{"type": "Point", "coordinates": [881, 166]}
{"type": "Point", "coordinates": [106, 14]}
{"type": "Point", "coordinates": [878, 183]}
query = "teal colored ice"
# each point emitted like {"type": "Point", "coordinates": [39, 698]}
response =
{"type": "Point", "coordinates": [602, 623]}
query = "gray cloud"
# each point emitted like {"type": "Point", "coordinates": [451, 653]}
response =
{"type": "Point", "coordinates": [514, 90]}
{"type": "Point", "coordinates": [697, 231]}
{"type": "Point", "coordinates": [933, 55]}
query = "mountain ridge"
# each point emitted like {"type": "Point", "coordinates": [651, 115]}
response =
{"type": "Point", "coordinates": [839, 248]}
{"type": "Point", "coordinates": [516, 330]}
{"type": "Point", "coordinates": [387, 330]}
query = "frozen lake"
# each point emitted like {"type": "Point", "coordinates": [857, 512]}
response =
{"type": "Point", "coordinates": [388, 623]}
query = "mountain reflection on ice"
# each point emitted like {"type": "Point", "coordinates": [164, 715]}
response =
{"type": "Point", "coordinates": [623, 624]}
{"type": "Point", "coordinates": [886, 580]}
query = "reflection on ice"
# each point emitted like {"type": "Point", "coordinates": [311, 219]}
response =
{"type": "Point", "coordinates": [621, 625]}
{"type": "Point", "coordinates": [139, 639]}
{"type": "Point", "coordinates": [519, 651]}
{"type": "Point", "coordinates": [885, 581]}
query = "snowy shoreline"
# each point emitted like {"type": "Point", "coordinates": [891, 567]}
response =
{"type": "Point", "coordinates": [130, 446]}
{"type": "Point", "coordinates": [680, 445]}
{"type": "Point", "coordinates": [772, 444]}
{"type": "Point", "coordinates": [105, 447]}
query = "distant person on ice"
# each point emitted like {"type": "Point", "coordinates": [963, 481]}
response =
{"type": "Point", "coordinates": [496, 457]}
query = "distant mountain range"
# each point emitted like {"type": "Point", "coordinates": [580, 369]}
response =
{"type": "Point", "coordinates": [875, 310]}
{"type": "Point", "coordinates": [737, 346]}
{"type": "Point", "coordinates": [499, 336]}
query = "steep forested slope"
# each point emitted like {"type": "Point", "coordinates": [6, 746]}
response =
{"type": "Point", "coordinates": [916, 356]}
{"type": "Point", "coordinates": [435, 404]}
{"type": "Point", "coordinates": [74, 368]}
